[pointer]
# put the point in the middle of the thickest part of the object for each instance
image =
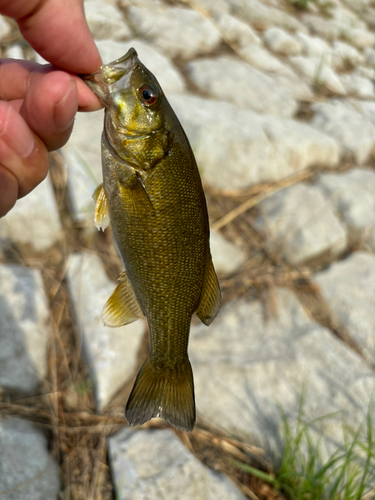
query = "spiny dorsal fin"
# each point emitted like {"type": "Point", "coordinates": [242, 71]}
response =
{"type": "Point", "coordinates": [210, 300]}
{"type": "Point", "coordinates": [101, 218]}
{"type": "Point", "coordinates": [122, 306]}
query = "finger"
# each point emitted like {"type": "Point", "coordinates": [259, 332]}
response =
{"type": "Point", "coordinates": [22, 153]}
{"type": "Point", "coordinates": [58, 31]}
{"type": "Point", "coordinates": [49, 108]}
{"type": "Point", "coordinates": [17, 76]}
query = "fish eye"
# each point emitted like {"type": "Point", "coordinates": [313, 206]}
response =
{"type": "Point", "coordinates": [148, 95]}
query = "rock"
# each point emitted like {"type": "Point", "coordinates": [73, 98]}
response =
{"type": "Point", "coordinates": [353, 196]}
{"type": "Point", "coordinates": [348, 288]}
{"type": "Point", "coordinates": [300, 224]}
{"type": "Point", "coordinates": [226, 256]}
{"type": "Point", "coordinates": [106, 21]}
{"type": "Point", "coordinates": [155, 464]}
{"type": "Point", "coordinates": [361, 39]}
{"type": "Point", "coordinates": [280, 42]}
{"type": "Point", "coordinates": [247, 363]}
{"type": "Point", "coordinates": [111, 353]}
{"type": "Point", "coordinates": [314, 47]}
{"type": "Point", "coordinates": [15, 52]}
{"type": "Point", "coordinates": [366, 108]}
{"type": "Point", "coordinates": [177, 32]}
{"type": "Point", "coordinates": [24, 329]}
{"type": "Point", "coordinates": [317, 73]}
{"type": "Point", "coordinates": [34, 221]}
{"type": "Point", "coordinates": [370, 57]}
{"type": "Point", "coordinates": [165, 72]}
{"type": "Point", "coordinates": [84, 165]}
{"type": "Point", "coordinates": [234, 31]}
{"type": "Point", "coordinates": [262, 16]}
{"type": "Point", "coordinates": [26, 468]}
{"type": "Point", "coordinates": [260, 58]}
{"type": "Point", "coordinates": [209, 8]}
{"type": "Point", "coordinates": [226, 78]}
{"type": "Point", "coordinates": [345, 56]}
{"type": "Point", "coordinates": [358, 86]}
{"type": "Point", "coordinates": [324, 28]}
{"type": "Point", "coordinates": [354, 133]}
{"type": "Point", "coordinates": [366, 72]}
{"type": "Point", "coordinates": [5, 29]}
{"type": "Point", "coordinates": [289, 83]}
{"type": "Point", "coordinates": [236, 148]}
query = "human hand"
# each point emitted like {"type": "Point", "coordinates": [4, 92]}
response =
{"type": "Point", "coordinates": [38, 103]}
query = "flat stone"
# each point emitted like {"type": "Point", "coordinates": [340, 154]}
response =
{"type": "Point", "coordinates": [354, 133]}
{"type": "Point", "coordinates": [300, 224]}
{"type": "Point", "coordinates": [177, 32]}
{"type": "Point", "coordinates": [236, 148]}
{"type": "Point", "coordinates": [314, 46]}
{"type": "Point", "coordinates": [366, 72]}
{"type": "Point", "coordinates": [361, 38]}
{"type": "Point", "coordinates": [324, 28]}
{"type": "Point", "coordinates": [358, 86]}
{"type": "Point", "coordinates": [260, 58]}
{"type": "Point", "coordinates": [348, 287]}
{"type": "Point", "coordinates": [370, 56]}
{"type": "Point", "coordinates": [106, 21]}
{"type": "Point", "coordinates": [5, 29]}
{"type": "Point", "coordinates": [209, 8]}
{"type": "Point", "coordinates": [27, 470]}
{"type": "Point", "coordinates": [234, 31]}
{"type": "Point", "coordinates": [155, 464]}
{"type": "Point", "coordinates": [344, 55]}
{"type": "Point", "coordinates": [281, 42]}
{"type": "Point", "coordinates": [111, 353]}
{"type": "Point", "coordinates": [165, 72]}
{"type": "Point", "coordinates": [34, 220]}
{"type": "Point", "coordinates": [24, 329]}
{"type": "Point", "coordinates": [317, 72]}
{"type": "Point", "coordinates": [226, 256]}
{"type": "Point", "coordinates": [353, 196]}
{"type": "Point", "coordinates": [226, 78]}
{"type": "Point", "coordinates": [248, 364]}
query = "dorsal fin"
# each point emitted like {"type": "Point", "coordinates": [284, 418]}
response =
{"type": "Point", "coordinates": [122, 307]}
{"type": "Point", "coordinates": [210, 300]}
{"type": "Point", "coordinates": [101, 217]}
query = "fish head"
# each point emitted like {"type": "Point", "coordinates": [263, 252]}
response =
{"type": "Point", "coordinates": [135, 110]}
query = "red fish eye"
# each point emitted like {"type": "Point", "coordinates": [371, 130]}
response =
{"type": "Point", "coordinates": [148, 95]}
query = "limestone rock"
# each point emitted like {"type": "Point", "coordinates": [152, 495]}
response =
{"type": "Point", "coordinates": [24, 329]}
{"type": "Point", "coordinates": [247, 362]}
{"type": "Point", "coordinates": [348, 288]}
{"type": "Point", "coordinates": [317, 72]}
{"type": "Point", "coordinates": [361, 38]}
{"type": "Point", "coordinates": [5, 29]}
{"type": "Point", "coordinates": [353, 196]}
{"type": "Point", "coordinates": [27, 471]}
{"type": "Point", "coordinates": [226, 78]}
{"type": "Point", "coordinates": [356, 85]}
{"type": "Point", "coordinates": [165, 72]}
{"type": "Point", "coordinates": [280, 42]}
{"type": "Point", "coordinates": [261, 59]}
{"type": "Point", "coordinates": [235, 31]}
{"type": "Point", "coordinates": [34, 220]}
{"type": "Point", "coordinates": [209, 8]}
{"type": "Point", "coordinates": [354, 133]}
{"type": "Point", "coordinates": [177, 32]}
{"type": "Point", "coordinates": [300, 224]}
{"type": "Point", "coordinates": [155, 464]}
{"type": "Point", "coordinates": [15, 52]}
{"type": "Point", "coordinates": [314, 46]}
{"type": "Point", "coordinates": [226, 256]}
{"type": "Point", "coordinates": [344, 55]}
{"type": "Point", "coordinates": [323, 28]}
{"type": "Point", "coordinates": [370, 56]}
{"type": "Point", "coordinates": [106, 21]}
{"type": "Point", "coordinates": [110, 352]}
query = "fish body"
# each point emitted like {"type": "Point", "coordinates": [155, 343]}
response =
{"type": "Point", "coordinates": [152, 195]}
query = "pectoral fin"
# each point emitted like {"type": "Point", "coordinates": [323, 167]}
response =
{"type": "Point", "coordinates": [122, 306]}
{"type": "Point", "coordinates": [101, 217]}
{"type": "Point", "coordinates": [210, 300]}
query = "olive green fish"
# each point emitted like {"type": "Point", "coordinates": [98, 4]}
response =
{"type": "Point", "coordinates": [152, 195]}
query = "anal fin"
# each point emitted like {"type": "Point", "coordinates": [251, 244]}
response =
{"type": "Point", "coordinates": [210, 300]}
{"type": "Point", "coordinates": [122, 307]}
{"type": "Point", "coordinates": [101, 218]}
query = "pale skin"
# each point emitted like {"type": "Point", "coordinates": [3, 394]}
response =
{"type": "Point", "coordinates": [38, 104]}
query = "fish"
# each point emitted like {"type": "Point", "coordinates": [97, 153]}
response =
{"type": "Point", "coordinates": [153, 197]}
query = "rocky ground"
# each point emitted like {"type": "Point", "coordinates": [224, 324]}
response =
{"type": "Point", "coordinates": [278, 100]}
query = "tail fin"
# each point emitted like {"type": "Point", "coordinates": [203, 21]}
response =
{"type": "Point", "coordinates": [166, 393]}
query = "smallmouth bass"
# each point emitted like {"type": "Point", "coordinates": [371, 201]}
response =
{"type": "Point", "coordinates": [152, 195]}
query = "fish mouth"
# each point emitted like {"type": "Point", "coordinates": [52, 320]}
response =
{"type": "Point", "coordinates": [104, 81]}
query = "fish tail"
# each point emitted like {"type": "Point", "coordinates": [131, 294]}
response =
{"type": "Point", "coordinates": [163, 392]}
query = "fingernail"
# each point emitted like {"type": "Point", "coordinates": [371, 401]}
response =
{"type": "Point", "coordinates": [65, 110]}
{"type": "Point", "coordinates": [15, 132]}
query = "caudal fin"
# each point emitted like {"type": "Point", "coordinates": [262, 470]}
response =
{"type": "Point", "coordinates": [166, 393]}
